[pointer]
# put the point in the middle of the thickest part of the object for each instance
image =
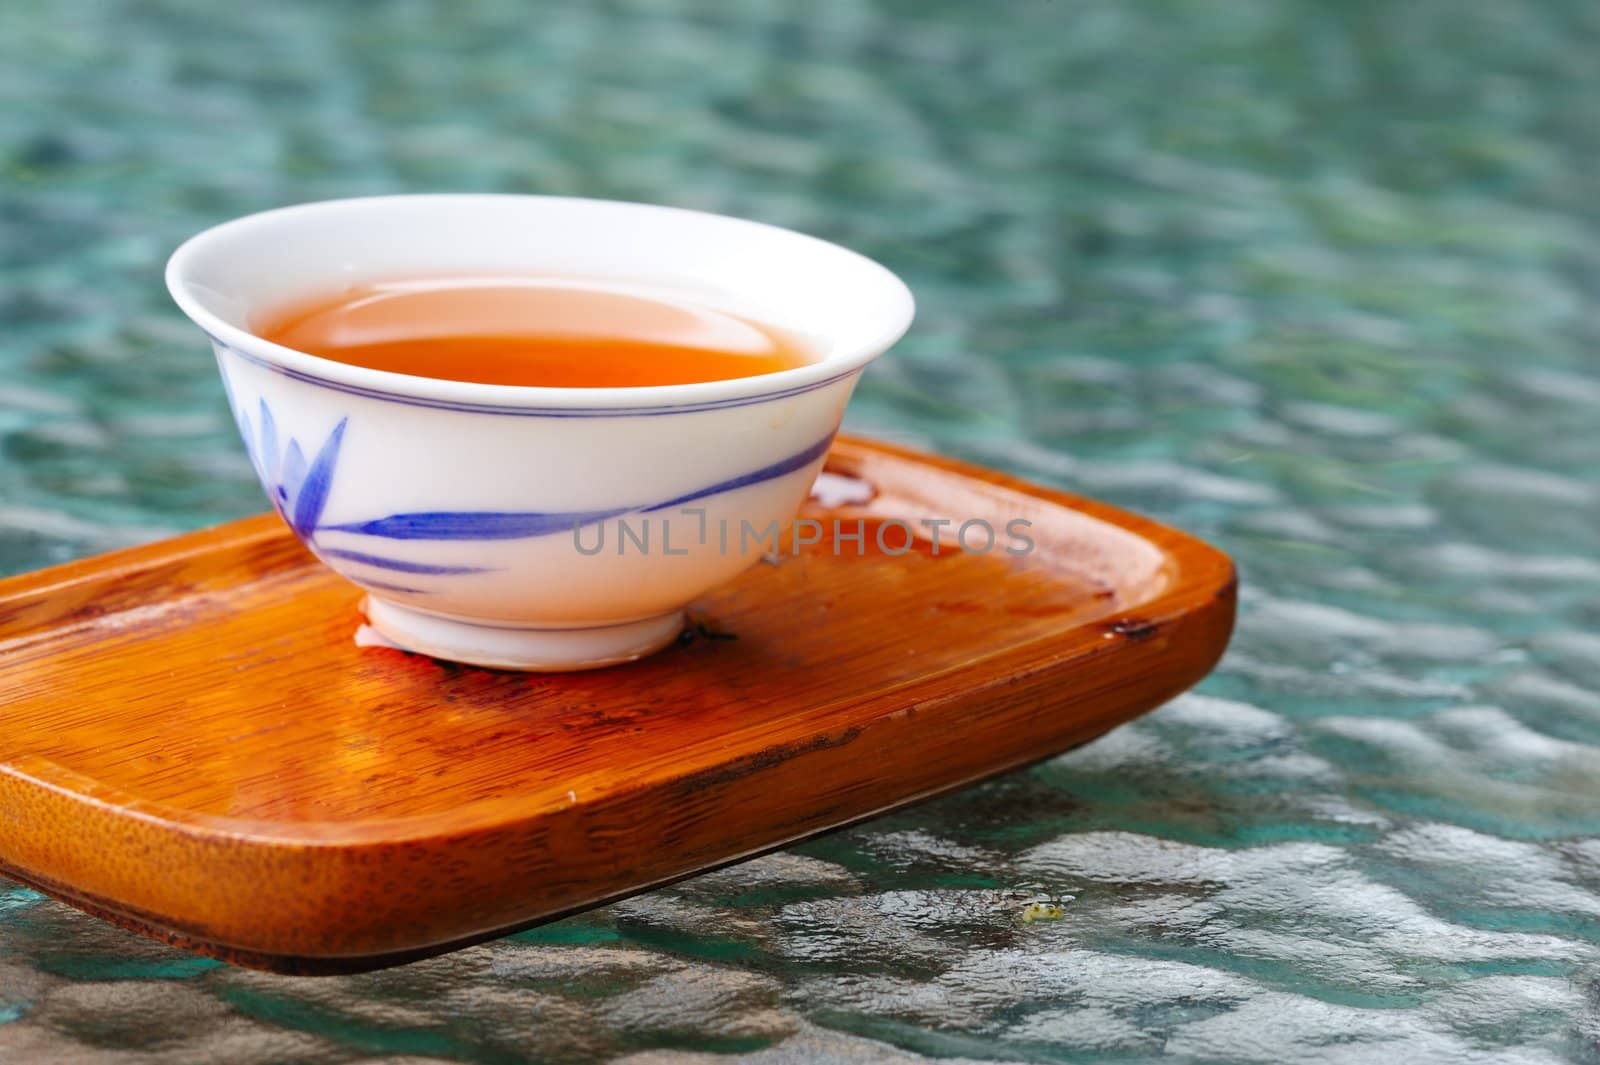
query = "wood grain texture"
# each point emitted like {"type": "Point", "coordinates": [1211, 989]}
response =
{"type": "Point", "coordinates": [194, 747]}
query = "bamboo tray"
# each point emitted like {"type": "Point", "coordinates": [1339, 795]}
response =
{"type": "Point", "coordinates": [194, 747]}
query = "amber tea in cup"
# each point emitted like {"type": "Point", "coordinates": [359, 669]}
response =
{"type": "Point", "coordinates": [516, 331]}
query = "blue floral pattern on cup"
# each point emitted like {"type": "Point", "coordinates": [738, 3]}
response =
{"type": "Point", "coordinates": [299, 490]}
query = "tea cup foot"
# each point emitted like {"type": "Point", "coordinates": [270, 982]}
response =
{"type": "Point", "coordinates": [529, 649]}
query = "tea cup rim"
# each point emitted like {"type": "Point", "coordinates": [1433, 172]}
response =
{"type": "Point", "coordinates": [851, 352]}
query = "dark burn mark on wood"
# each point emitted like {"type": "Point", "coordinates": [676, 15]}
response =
{"type": "Point", "coordinates": [699, 630]}
{"type": "Point", "coordinates": [1134, 628]}
{"type": "Point", "coordinates": [755, 763]}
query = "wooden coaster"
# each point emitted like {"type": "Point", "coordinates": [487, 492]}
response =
{"type": "Point", "coordinates": [194, 746]}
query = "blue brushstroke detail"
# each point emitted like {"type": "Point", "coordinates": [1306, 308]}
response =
{"type": "Point", "coordinates": [496, 525]}
{"type": "Point", "coordinates": [396, 564]}
{"type": "Point", "coordinates": [298, 490]}
{"type": "Point", "coordinates": [269, 447]}
{"type": "Point", "coordinates": [385, 586]}
{"type": "Point", "coordinates": [313, 491]}
{"type": "Point", "coordinates": [294, 464]}
{"type": "Point", "coordinates": [765, 473]}
{"type": "Point", "coordinates": [476, 524]}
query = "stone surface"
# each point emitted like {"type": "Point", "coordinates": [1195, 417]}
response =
{"type": "Point", "coordinates": [1316, 281]}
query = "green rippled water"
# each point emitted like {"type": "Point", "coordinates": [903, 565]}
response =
{"type": "Point", "coordinates": [1316, 281]}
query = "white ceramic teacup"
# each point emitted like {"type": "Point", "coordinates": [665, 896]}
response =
{"type": "Point", "coordinates": [471, 513]}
